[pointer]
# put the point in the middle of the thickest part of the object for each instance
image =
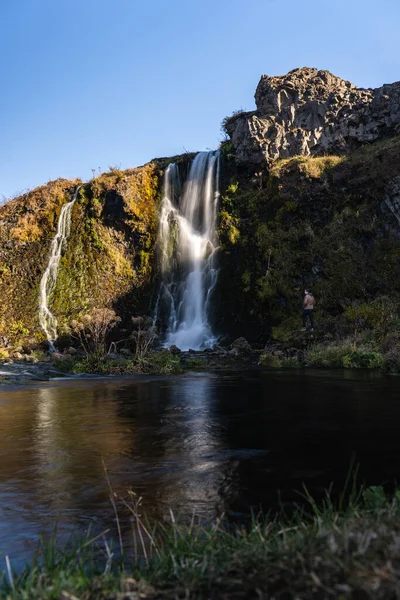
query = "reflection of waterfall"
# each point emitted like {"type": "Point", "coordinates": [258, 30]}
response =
{"type": "Point", "coordinates": [47, 320]}
{"type": "Point", "coordinates": [187, 245]}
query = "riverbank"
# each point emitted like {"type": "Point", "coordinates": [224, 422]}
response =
{"type": "Point", "coordinates": [324, 551]}
{"type": "Point", "coordinates": [298, 350]}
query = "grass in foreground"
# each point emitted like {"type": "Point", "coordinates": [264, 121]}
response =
{"type": "Point", "coordinates": [330, 552]}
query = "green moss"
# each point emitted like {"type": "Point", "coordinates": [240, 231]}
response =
{"type": "Point", "coordinates": [310, 222]}
{"type": "Point", "coordinates": [108, 259]}
{"type": "Point", "coordinates": [364, 359]}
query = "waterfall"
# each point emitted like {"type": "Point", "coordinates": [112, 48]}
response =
{"type": "Point", "coordinates": [186, 250]}
{"type": "Point", "coordinates": [47, 320]}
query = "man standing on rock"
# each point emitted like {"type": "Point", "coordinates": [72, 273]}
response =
{"type": "Point", "coordinates": [308, 309]}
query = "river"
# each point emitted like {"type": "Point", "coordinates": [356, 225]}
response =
{"type": "Point", "coordinates": [210, 443]}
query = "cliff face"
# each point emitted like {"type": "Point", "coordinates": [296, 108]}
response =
{"type": "Point", "coordinates": [328, 223]}
{"type": "Point", "coordinates": [311, 112]}
{"type": "Point", "coordinates": [107, 260]}
{"type": "Point", "coordinates": [310, 197]}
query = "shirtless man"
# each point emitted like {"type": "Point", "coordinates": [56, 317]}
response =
{"type": "Point", "coordinates": [308, 309]}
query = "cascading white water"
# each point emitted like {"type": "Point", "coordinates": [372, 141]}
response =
{"type": "Point", "coordinates": [187, 246]}
{"type": "Point", "coordinates": [47, 320]}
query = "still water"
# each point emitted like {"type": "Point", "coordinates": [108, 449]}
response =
{"type": "Point", "coordinates": [203, 442]}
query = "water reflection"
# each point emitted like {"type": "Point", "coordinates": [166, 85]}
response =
{"type": "Point", "coordinates": [206, 443]}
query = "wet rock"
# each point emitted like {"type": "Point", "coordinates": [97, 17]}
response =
{"type": "Point", "coordinates": [242, 345]}
{"type": "Point", "coordinates": [31, 359]}
{"type": "Point", "coordinates": [233, 352]}
{"type": "Point", "coordinates": [57, 356]}
{"type": "Point", "coordinates": [277, 354]}
{"type": "Point", "coordinates": [175, 350]}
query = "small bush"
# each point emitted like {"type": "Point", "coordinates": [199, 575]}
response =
{"type": "Point", "coordinates": [364, 359]}
{"type": "Point", "coordinates": [3, 354]}
{"type": "Point", "coordinates": [392, 360]}
{"type": "Point", "coordinates": [327, 356]}
{"type": "Point", "coordinates": [268, 360]}
{"type": "Point", "coordinates": [164, 363]}
{"type": "Point", "coordinates": [290, 363]}
{"type": "Point", "coordinates": [92, 331]}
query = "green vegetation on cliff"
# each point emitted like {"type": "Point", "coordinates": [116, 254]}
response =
{"type": "Point", "coordinates": [107, 260]}
{"type": "Point", "coordinates": [329, 223]}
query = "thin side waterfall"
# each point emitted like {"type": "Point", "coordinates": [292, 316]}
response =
{"type": "Point", "coordinates": [186, 250]}
{"type": "Point", "coordinates": [47, 320]}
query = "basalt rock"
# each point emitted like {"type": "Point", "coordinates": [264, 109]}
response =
{"type": "Point", "coordinates": [241, 345]}
{"type": "Point", "coordinates": [312, 112]}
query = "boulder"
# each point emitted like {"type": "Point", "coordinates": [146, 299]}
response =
{"type": "Point", "coordinates": [233, 352]}
{"type": "Point", "coordinates": [31, 359]}
{"type": "Point", "coordinates": [309, 111]}
{"type": "Point", "coordinates": [18, 356]}
{"type": "Point", "coordinates": [175, 350]}
{"type": "Point", "coordinates": [241, 345]}
{"type": "Point", "coordinates": [71, 350]}
{"type": "Point", "coordinates": [125, 352]}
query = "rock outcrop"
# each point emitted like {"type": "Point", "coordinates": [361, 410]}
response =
{"type": "Point", "coordinates": [312, 112]}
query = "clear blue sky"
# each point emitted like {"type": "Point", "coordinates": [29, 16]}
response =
{"type": "Point", "coordinates": [93, 83]}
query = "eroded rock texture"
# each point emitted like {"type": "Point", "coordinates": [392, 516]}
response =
{"type": "Point", "coordinates": [312, 112]}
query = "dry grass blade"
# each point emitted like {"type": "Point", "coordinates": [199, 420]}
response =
{"type": "Point", "coordinates": [112, 500]}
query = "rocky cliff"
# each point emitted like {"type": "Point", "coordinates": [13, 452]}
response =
{"type": "Point", "coordinates": [312, 112]}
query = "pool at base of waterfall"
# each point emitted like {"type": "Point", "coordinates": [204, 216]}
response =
{"type": "Point", "coordinates": [209, 443]}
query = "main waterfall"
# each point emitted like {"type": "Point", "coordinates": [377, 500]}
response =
{"type": "Point", "coordinates": [186, 249]}
{"type": "Point", "coordinates": [47, 320]}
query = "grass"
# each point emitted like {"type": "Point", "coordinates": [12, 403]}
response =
{"type": "Point", "coordinates": [153, 363]}
{"type": "Point", "coordinates": [345, 550]}
{"type": "Point", "coordinates": [344, 356]}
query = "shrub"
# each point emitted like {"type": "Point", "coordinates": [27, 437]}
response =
{"type": "Point", "coordinates": [392, 360]}
{"type": "Point", "coordinates": [164, 363]}
{"type": "Point", "coordinates": [274, 362]}
{"type": "Point", "coordinates": [321, 355]}
{"type": "Point", "coordinates": [268, 360]}
{"type": "Point", "coordinates": [17, 329]}
{"type": "Point", "coordinates": [93, 329]}
{"type": "Point", "coordinates": [3, 354]}
{"type": "Point", "coordinates": [143, 338]}
{"type": "Point", "coordinates": [364, 359]}
{"type": "Point", "coordinates": [290, 363]}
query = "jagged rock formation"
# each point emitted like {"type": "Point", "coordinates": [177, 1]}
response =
{"type": "Point", "coordinates": [312, 112]}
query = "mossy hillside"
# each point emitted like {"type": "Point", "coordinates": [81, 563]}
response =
{"type": "Point", "coordinates": [107, 260]}
{"type": "Point", "coordinates": [27, 226]}
{"type": "Point", "coordinates": [309, 222]}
